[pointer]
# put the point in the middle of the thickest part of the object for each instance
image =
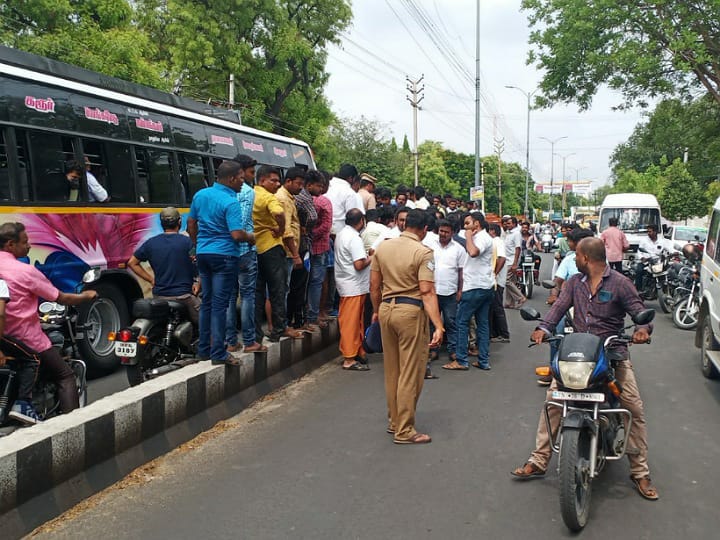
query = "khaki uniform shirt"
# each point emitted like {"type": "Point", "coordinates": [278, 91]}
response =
{"type": "Point", "coordinates": [292, 221]}
{"type": "Point", "coordinates": [403, 262]}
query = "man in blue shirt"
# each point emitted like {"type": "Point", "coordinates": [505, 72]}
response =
{"type": "Point", "coordinates": [169, 257]}
{"type": "Point", "coordinates": [247, 270]}
{"type": "Point", "coordinates": [215, 226]}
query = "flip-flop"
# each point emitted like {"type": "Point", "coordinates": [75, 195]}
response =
{"type": "Point", "coordinates": [251, 349]}
{"type": "Point", "coordinates": [418, 438]}
{"type": "Point", "coordinates": [356, 366]}
{"type": "Point", "coordinates": [459, 367]}
{"type": "Point", "coordinates": [650, 493]}
{"type": "Point", "coordinates": [480, 366]}
{"type": "Point", "coordinates": [521, 474]}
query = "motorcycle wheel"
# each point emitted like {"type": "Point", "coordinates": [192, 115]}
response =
{"type": "Point", "coordinates": [529, 288]}
{"type": "Point", "coordinates": [665, 301]}
{"type": "Point", "coordinates": [575, 480]}
{"type": "Point", "coordinates": [685, 314]}
{"type": "Point", "coordinates": [708, 343]}
{"type": "Point", "coordinates": [135, 374]}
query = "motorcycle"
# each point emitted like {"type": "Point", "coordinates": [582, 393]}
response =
{"type": "Point", "coordinates": [655, 284]}
{"type": "Point", "coordinates": [526, 274]}
{"type": "Point", "coordinates": [159, 340]}
{"type": "Point", "coordinates": [59, 323]}
{"type": "Point", "coordinates": [687, 304]}
{"type": "Point", "coordinates": [547, 241]}
{"type": "Point", "coordinates": [593, 428]}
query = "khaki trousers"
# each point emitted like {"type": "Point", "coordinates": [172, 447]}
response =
{"type": "Point", "coordinates": [405, 338]}
{"type": "Point", "coordinates": [629, 399]}
{"type": "Point", "coordinates": [350, 324]}
{"type": "Point", "coordinates": [512, 292]}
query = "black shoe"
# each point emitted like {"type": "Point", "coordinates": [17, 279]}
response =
{"type": "Point", "coordinates": [362, 359]}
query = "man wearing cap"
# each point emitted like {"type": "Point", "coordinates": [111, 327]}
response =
{"type": "Point", "coordinates": [247, 270]}
{"type": "Point", "coordinates": [168, 253]}
{"type": "Point", "coordinates": [342, 196]}
{"type": "Point", "coordinates": [367, 191]}
{"type": "Point", "coordinates": [215, 226]}
{"type": "Point", "coordinates": [403, 298]}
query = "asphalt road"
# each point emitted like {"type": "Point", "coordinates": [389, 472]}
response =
{"type": "Point", "coordinates": [315, 462]}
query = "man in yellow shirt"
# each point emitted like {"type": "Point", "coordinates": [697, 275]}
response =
{"type": "Point", "coordinates": [270, 227]}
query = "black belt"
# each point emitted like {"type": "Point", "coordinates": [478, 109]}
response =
{"type": "Point", "coordinates": [404, 300]}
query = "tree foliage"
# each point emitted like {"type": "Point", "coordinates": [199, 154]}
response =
{"type": "Point", "coordinates": [641, 48]}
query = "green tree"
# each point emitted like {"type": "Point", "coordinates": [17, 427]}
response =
{"type": "Point", "coordinates": [682, 196]}
{"type": "Point", "coordinates": [641, 48]}
{"type": "Point", "coordinates": [99, 35]}
{"type": "Point", "coordinates": [432, 173]}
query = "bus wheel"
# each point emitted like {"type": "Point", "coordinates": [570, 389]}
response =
{"type": "Point", "coordinates": [107, 313]}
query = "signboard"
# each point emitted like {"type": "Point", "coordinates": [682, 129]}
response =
{"type": "Point", "coordinates": [476, 193]}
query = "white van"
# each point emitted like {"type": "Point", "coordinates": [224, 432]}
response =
{"type": "Point", "coordinates": [707, 336]}
{"type": "Point", "coordinates": [634, 212]}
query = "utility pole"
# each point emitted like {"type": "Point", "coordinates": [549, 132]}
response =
{"type": "Point", "coordinates": [415, 91]}
{"type": "Point", "coordinates": [499, 143]}
{"type": "Point", "coordinates": [562, 191]}
{"type": "Point", "coordinates": [529, 96]}
{"type": "Point", "coordinates": [477, 101]}
{"type": "Point", "coordinates": [231, 92]}
{"type": "Point", "coordinates": [552, 168]}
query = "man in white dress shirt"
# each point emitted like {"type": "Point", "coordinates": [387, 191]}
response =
{"type": "Point", "coordinates": [343, 197]}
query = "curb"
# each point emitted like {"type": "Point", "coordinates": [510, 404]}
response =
{"type": "Point", "coordinates": [47, 469]}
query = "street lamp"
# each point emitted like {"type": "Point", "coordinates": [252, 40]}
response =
{"type": "Point", "coordinates": [552, 167]}
{"type": "Point", "coordinates": [527, 144]}
{"type": "Point", "coordinates": [562, 190]}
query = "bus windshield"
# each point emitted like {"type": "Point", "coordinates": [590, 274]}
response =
{"type": "Point", "coordinates": [631, 220]}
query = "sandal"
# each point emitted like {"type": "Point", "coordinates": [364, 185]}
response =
{"type": "Point", "coordinates": [645, 488]}
{"type": "Point", "coordinates": [357, 366]}
{"type": "Point", "coordinates": [454, 366]}
{"type": "Point", "coordinates": [484, 367]}
{"type": "Point", "coordinates": [528, 471]}
{"type": "Point", "coordinates": [418, 438]}
{"type": "Point", "coordinates": [255, 347]}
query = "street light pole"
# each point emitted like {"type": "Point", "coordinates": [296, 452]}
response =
{"type": "Point", "coordinates": [529, 96]}
{"type": "Point", "coordinates": [562, 190]}
{"type": "Point", "coordinates": [552, 167]}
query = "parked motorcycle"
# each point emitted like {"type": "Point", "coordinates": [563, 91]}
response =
{"type": "Point", "coordinates": [687, 305]}
{"type": "Point", "coordinates": [59, 323]}
{"type": "Point", "coordinates": [159, 340]}
{"type": "Point", "coordinates": [593, 429]}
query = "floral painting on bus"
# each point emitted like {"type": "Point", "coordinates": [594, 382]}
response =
{"type": "Point", "coordinates": [66, 244]}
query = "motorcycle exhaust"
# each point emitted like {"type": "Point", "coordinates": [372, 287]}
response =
{"type": "Point", "coordinates": [172, 367]}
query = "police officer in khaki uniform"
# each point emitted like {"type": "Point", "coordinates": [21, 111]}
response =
{"type": "Point", "coordinates": [403, 297]}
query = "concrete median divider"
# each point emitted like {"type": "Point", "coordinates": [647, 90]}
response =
{"type": "Point", "coordinates": [48, 468]}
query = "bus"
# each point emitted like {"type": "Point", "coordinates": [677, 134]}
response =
{"type": "Point", "coordinates": [148, 149]}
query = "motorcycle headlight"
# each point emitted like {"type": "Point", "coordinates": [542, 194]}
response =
{"type": "Point", "coordinates": [656, 268]}
{"type": "Point", "coordinates": [576, 375]}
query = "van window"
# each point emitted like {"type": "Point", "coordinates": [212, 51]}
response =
{"type": "Point", "coordinates": [631, 220]}
{"type": "Point", "coordinates": [712, 238]}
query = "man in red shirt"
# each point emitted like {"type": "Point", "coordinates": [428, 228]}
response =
{"type": "Point", "coordinates": [27, 286]}
{"type": "Point", "coordinates": [615, 244]}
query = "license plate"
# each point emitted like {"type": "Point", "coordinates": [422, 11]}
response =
{"type": "Point", "coordinates": [127, 350]}
{"type": "Point", "coordinates": [578, 396]}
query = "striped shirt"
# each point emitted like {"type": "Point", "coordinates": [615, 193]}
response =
{"type": "Point", "coordinates": [246, 198]}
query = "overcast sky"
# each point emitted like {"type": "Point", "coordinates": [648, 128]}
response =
{"type": "Point", "coordinates": [361, 84]}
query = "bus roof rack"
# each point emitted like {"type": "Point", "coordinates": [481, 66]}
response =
{"type": "Point", "coordinates": [41, 64]}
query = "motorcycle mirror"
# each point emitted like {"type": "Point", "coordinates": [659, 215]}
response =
{"type": "Point", "coordinates": [91, 275]}
{"type": "Point", "coordinates": [548, 284]}
{"type": "Point", "coordinates": [529, 314]}
{"type": "Point", "coordinates": [644, 317]}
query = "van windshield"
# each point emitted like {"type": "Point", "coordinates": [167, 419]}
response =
{"type": "Point", "coordinates": [630, 220]}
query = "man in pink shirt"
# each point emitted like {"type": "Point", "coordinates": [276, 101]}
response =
{"type": "Point", "coordinates": [23, 336]}
{"type": "Point", "coordinates": [615, 244]}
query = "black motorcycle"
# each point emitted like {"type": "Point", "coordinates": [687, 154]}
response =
{"type": "Point", "coordinates": [594, 428]}
{"type": "Point", "coordinates": [59, 323]}
{"type": "Point", "coordinates": [160, 340]}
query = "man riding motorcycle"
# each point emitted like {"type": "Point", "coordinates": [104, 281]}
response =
{"type": "Point", "coordinates": [23, 332]}
{"type": "Point", "coordinates": [650, 246]}
{"type": "Point", "coordinates": [169, 256]}
{"type": "Point", "coordinates": [601, 298]}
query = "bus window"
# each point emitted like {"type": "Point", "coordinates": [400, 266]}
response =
{"type": "Point", "coordinates": [95, 165]}
{"type": "Point", "coordinates": [23, 165]}
{"type": "Point", "coordinates": [4, 169]}
{"type": "Point", "coordinates": [113, 168]}
{"type": "Point", "coordinates": [48, 154]}
{"type": "Point", "coordinates": [156, 182]}
{"type": "Point", "coordinates": [193, 174]}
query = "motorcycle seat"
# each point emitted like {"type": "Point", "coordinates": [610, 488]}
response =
{"type": "Point", "coordinates": [150, 308]}
{"type": "Point", "coordinates": [177, 307]}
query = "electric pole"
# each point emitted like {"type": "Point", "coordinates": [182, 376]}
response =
{"type": "Point", "coordinates": [414, 88]}
{"type": "Point", "coordinates": [499, 144]}
{"type": "Point", "coordinates": [562, 190]}
{"type": "Point", "coordinates": [552, 168]}
{"type": "Point", "coordinates": [477, 101]}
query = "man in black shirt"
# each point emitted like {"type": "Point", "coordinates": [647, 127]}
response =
{"type": "Point", "coordinates": [169, 257]}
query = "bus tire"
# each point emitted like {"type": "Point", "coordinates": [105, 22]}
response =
{"type": "Point", "coordinates": [107, 313]}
